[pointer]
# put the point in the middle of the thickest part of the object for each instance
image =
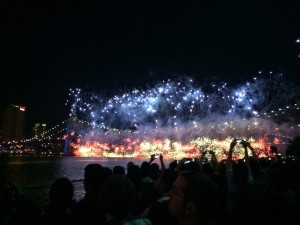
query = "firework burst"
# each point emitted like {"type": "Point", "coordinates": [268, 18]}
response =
{"type": "Point", "coordinates": [178, 118]}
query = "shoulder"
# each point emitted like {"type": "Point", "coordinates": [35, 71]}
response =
{"type": "Point", "coordinates": [129, 220]}
{"type": "Point", "coordinates": [138, 221]}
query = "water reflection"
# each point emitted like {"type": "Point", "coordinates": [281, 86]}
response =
{"type": "Point", "coordinates": [34, 174]}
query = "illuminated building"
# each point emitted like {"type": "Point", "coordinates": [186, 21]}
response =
{"type": "Point", "coordinates": [13, 123]}
{"type": "Point", "coordinates": [39, 130]}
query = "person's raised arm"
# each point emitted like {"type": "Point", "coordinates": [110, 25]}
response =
{"type": "Point", "coordinates": [252, 150]}
{"type": "Point", "coordinates": [245, 146]}
{"type": "Point", "coordinates": [229, 156]}
{"type": "Point", "coordinates": [203, 155]}
{"type": "Point", "coordinates": [246, 158]}
{"type": "Point", "coordinates": [152, 158]}
{"type": "Point", "coordinates": [202, 159]}
{"type": "Point", "coordinates": [229, 168]}
{"type": "Point", "coordinates": [162, 164]}
{"type": "Point", "coordinates": [214, 159]}
{"type": "Point", "coordinates": [213, 156]}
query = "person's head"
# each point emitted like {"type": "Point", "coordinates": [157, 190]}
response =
{"type": "Point", "coordinates": [118, 195]}
{"type": "Point", "coordinates": [134, 173]}
{"type": "Point", "coordinates": [191, 166]}
{"type": "Point", "coordinates": [173, 165]}
{"type": "Point", "coordinates": [61, 192]}
{"type": "Point", "coordinates": [107, 172]}
{"type": "Point", "coordinates": [165, 181]}
{"type": "Point", "coordinates": [273, 150]}
{"type": "Point", "coordinates": [129, 164]}
{"type": "Point", "coordinates": [93, 177]}
{"type": "Point", "coordinates": [145, 169]}
{"type": "Point", "coordinates": [192, 198]}
{"type": "Point", "coordinates": [119, 170]}
{"type": "Point", "coordinates": [154, 171]}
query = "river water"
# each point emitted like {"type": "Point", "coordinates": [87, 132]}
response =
{"type": "Point", "coordinates": [34, 174]}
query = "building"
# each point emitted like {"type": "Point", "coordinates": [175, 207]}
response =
{"type": "Point", "coordinates": [13, 123]}
{"type": "Point", "coordinates": [39, 130]}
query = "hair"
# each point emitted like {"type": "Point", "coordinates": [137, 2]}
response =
{"type": "Point", "coordinates": [154, 171]}
{"type": "Point", "coordinates": [120, 170]}
{"type": "Point", "coordinates": [118, 195]}
{"type": "Point", "coordinates": [173, 165]}
{"type": "Point", "coordinates": [168, 177]}
{"type": "Point", "coordinates": [145, 169]}
{"type": "Point", "coordinates": [61, 191]}
{"type": "Point", "coordinates": [202, 191]}
{"type": "Point", "coordinates": [134, 174]}
{"type": "Point", "coordinates": [93, 177]}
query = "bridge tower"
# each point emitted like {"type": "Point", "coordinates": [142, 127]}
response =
{"type": "Point", "coordinates": [72, 124]}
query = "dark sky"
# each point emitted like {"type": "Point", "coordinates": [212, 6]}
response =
{"type": "Point", "coordinates": [50, 46]}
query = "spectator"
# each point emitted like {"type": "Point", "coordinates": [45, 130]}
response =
{"type": "Point", "coordinates": [282, 204]}
{"type": "Point", "coordinates": [118, 200]}
{"type": "Point", "coordinates": [59, 210]}
{"type": "Point", "coordinates": [119, 170]}
{"type": "Point", "coordinates": [89, 210]}
{"type": "Point", "coordinates": [245, 202]}
{"type": "Point", "coordinates": [15, 208]}
{"type": "Point", "coordinates": [173, 165]}
{"type": "Point", "coordinates": [145, 191]}
{"type": "Point", "coordinates": [129, 164]}
{"type": "Point", "coordinates": [158, 212]}
{"type": "Point", "coordinates": [193, 198]}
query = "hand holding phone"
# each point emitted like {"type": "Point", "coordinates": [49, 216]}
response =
{"type": "Point", "coordinates": [239, 141]}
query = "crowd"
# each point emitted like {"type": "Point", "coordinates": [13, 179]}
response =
{"type": "Point", "coordinates": [201, 191]}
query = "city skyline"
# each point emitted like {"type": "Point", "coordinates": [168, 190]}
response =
{"type": "Point", "coordinates": [52, 47]}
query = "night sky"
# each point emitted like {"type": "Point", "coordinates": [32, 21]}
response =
{"type": "Point", "coordinates": [48, 46]}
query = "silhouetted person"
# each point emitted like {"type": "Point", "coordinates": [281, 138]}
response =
{"type": "Point", "coordinates": [118, 199]}
{"type": "Point", "coordinates": [89, 210]}
{"type": "Point", "coordinates": [157, 212]}
{"type": "Point", "coordinates": [59, 210]}
{"type": "Point", "coordinates": [173, 165]}
{"type": "Point", "coordinates": [193, 199]}
{"type": "Point", "coordinates": [145, 189]}
{"type": "Point", "coordinates": [273, 150]}
{"type": "Point", "coordinates": [134, 174]}
{"type": "Point", "coordinates": [15, 208]}
{"type": "Point", "coordinates": [245, 203]}
{"type": "Point", "coordinates": [282, 199]}
{"type": "Point", "coordinates": [119, 170]}
{"type": "Point", "coordinates": [129, 164]}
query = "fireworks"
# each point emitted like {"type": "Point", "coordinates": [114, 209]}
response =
{"type": "Point", "coordinates": [298, 42]}
{"type": "Point", "coordinates": [179, 117]}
